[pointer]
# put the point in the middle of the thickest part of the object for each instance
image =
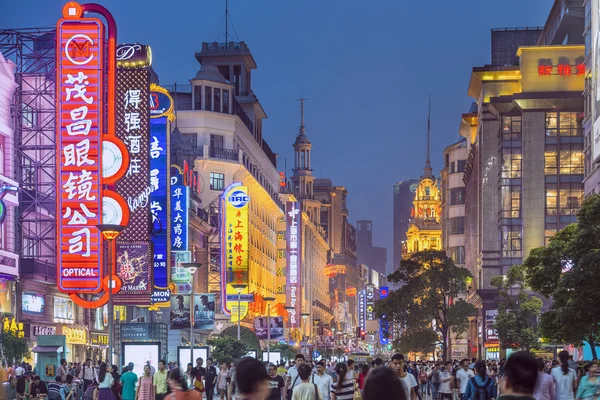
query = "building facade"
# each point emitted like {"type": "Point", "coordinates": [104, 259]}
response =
{"type": "Point", "coordinates": [404, 195]}
{"type": "Point", "coordinates": [374, 257]}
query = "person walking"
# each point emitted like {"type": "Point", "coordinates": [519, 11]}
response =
{"type": "Point", "coordinates": [345, 387]}
{"type": "Point", "coordinates": [481, 386]}
{"type": "Point", "coordinates": [408, 380]}
{"type": "Point", "coordinates": [589, 386]}
{"type": "Point", "coordinates": [88, 374]}
{"type": "Point", "coordinates": [145, 389]}
{"type": "Point", "coordinates": [61, 372]}
{"type": "Point", "coordinates": [293, 378]}
{"type": "Point", "coordinates": [363, 376]}
{"type": "Point", "coordinates": [105, 383]}
{"type": "Point", "coordinates": [222, 381]}
{"type": "Point", "coordinates": [160, 381]}
{"type": "Point", "coordinates": [323, 380]}
{"type": "Point", "coordinates": [250, 379]}
{"type": "Point", "coordinates": [210, 379]}
{"type": "Point", "coordinates": [180, 388]}
{"type": "Point", "coordinates": [305, 390]}
{"type": "Point", "coordinates": [463, 375]}
{"type": "Point", "coordinates": [564, 377]}
{"type": "Point", "coordinates": [276, 384]}
{"type": "Point", "coordinates": [383, 383]}
{"type": "Point", "coordinates": [520, 377]}
{"type": "Point", "coordinates": [544, 389]}
{"type": "Point", "coordinates": [128, 381]}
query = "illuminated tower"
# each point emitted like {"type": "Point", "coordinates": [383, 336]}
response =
{"type": "Point", "coordinates": [424, 230]}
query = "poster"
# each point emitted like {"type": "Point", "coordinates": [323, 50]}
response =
{"type": "Point", "coordinates": [204, 311]}
{"type": "Point", "coordinates": [180, 312]}
{"type": "Point", "coordinates": [133, 261]}
{"type": "Point", "coordinates": [140, 355]}
{"type": "Point", "coordinates": [260, 328]}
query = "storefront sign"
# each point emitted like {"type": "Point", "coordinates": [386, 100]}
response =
{"type": "Point", "coordinates": [383, 322]}
{"type": "Point", "coordinates": [38, 330]}
{"type": "Point", "coordinates": [134, 332]}
{"type": "Point", "coordinates": [362, 313]}
{"type": "Point", "coordinates": [180, 199]}
{"type": "Point", "coordinates": [234, 252]}
{"type": "Point", "coordinates": [75, 335]}
{"type": "Point", "coordinates": [293, 218]}
{"type": "Point", "coordinates": [99, 339]}
{"type": "Point", "coordinates": [561, 70]}
{"type": "Point", "coordinates": [490, 321]}
{"type": "Point", "coordinates": [13, 327]}
{"type": "Point", "coordinates": [370, 302]}
{"type": "Point", "coordinates": [80, 60]}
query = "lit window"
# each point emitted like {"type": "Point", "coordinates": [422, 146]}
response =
{"type": "Point", "coordinates": [550, 162]}
{"type": "Point", "coordinates": [217, 181]}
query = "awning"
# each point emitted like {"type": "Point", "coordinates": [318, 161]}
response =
{"type": "Point", "coordinates": [47, 349]}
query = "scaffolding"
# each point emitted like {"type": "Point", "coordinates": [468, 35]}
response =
{"type": "Point", "coordinates": [33, 112]}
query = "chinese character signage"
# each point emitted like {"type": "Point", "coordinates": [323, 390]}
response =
{"type": "Point", "coordinates": [370, 297]}
{"type": "Point", "coordinates": [293, 218]}
{"type": "Point", "coordinates": [179, 210]}
{"type": "Point", "coordinates": [75, 335]}
{"type": "Point", "coordinates": [134, 331]}
{"type": "Point", "coordinates": [561, 70]}
{"type": "Point", "coordinates": [491, 334]}
{"type": "Point", "coordinates": [80, 58]}
{"type": "Point", "coordinates": [160, 184]}
{"type": "Point", "coordinates": [234, 230]}
{"type": "Point", "coordinates": [133, 263]}
{"type": "Point", "coordinates": [362, 316]}
{"type": "Point", "coordinates": [383, 322]}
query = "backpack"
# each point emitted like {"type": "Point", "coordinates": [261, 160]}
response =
{"type": "Point", "coordinates": [481, 392]}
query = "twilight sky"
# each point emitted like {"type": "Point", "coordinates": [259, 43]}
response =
{"type": "Point", "coordinates": [365, 67]}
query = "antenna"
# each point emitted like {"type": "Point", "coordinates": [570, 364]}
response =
{"type": "Point", "coordinates": [226, 24]}
{"type": "Point", "coordinates": [301, 100]}
{"type": "Point", "coordinates": [427, 169]}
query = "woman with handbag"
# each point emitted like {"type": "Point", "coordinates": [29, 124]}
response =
{"type": "Point", "coordinates": [145, 389]}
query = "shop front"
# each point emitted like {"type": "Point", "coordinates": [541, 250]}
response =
{"type": "Point", "coordinates": [6, 295]}
{"type": "Point", "coordinates": [140, 343]}
{"type": "Point", "coordinates": [76, 338]}
{"type": "Point", "coordinates": [99, 347]}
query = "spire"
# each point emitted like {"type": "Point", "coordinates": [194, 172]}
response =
{"type": "Point", "coordinates": [301, 100]}
{"type": "Point", "coordinates": [427, 172]}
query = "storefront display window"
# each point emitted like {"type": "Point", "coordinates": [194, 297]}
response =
{"type": "Point", "coordinates": [101, 318]}
{"type": "Point", "coordinates": [63, 310]}
{"type": "Point", "coordinates": [5, 296]}
{"type": "Point", "coordinates": [33, 303]}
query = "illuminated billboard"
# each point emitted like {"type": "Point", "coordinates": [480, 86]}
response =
{"type": "Point", "coordinates": [234, 249]}
{"type": "Point", "coordinates": [180, 198]}
{"type": "Point", "coordinates": [79, 70]}
{"type": "Point", "coordinates": [293, 218]}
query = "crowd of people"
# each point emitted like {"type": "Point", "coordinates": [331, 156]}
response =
{"type": "Point", "coordinates": [521, 377]}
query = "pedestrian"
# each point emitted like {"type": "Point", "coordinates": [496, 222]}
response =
{"type": "Point", "coordinates": [408, 380]}
{"type": "Point", "coordinates": [180, 388]}
{"type": "Point", "coordinates": [250, 380]}
{"type": "Point", "coordinates": [222, 381]}
{"type": "Point", "coordinates": [281, 371]}
{"type": "Point", "coordinates": [292, 375]}
{"type": "Point", "coordinates": [305, 390]}
{"type": "Point", "coordinates": [323, 380]}
{"type": "Point", "coordinates": [160, 381]}
{"type": "Point", "coordinates": [88, 374]}
{"type": "Point", "coordinates": [145, 388]}
{"type": "Point", "coordinates": [544, 389]}
{"type": "Point", "coordinates": [423, 381]}
{"type": "Point", "coordinates": [589, 386]}
{"type": "Point", "coordinates": [564, 377]}
{"type": "Point", "coordinates": [128, 381]}
{"type": "Point", "coordinates": [199, 372]}
{"type": "Point", "coordinates": [520, 377]}
{"type": "Point", "coordinates": [350, 374]}
{"type": "Point", "coordinates": [210, 379]}
{"type": "Point", "coordinates": [116, 387]}
{"type": "Point", "coordinates": [276, 384]}
{"type": "Point", "coordinates": [38, 387]}
{"type": "Point", "coordinates": [435, 381]}
{"type": "Point", "coordinates": [481, 386]}
{"type": "Point", "coordinates": [53, 389]}
{"type": "Point", "coordinates": [363, 376]}
{"type": "Point", "coordinates": [345, 387]}
{"type": "Point", "coordinates": [463, 375]}
{"type": "Point", "coordinates": [105, 383]}
{"type": "Point", "coordinates": [61, 371]}
{"type": "Point", "coordinates": [445, 390]}
{"type": "Point", "coordinates": [382, 383]}
{"type": "Point", "coordinates": [189, 376]}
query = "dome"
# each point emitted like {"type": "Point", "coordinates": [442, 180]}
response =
{"type": "Point", "coordinates": [210, 72]}
{"type": "Point", "coordinates": [302, 139]}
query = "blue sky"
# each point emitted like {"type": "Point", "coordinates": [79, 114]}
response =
{"type": "Point", "coordinates": [365, 67]}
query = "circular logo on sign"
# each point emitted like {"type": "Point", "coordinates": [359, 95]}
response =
{"type": "Point", "coordinates": [239, 199]}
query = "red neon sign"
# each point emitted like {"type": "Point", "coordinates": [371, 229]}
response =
{"type": "Point", "coordinates": [80, 60]}
{"type": "Point", "coordinates": [561, 70]}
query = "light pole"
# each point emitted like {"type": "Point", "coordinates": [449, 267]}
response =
{"type": "Point", "coordinates": [239, 288]}
{"type": "Point", "coordinates": [269, 300]}
{"type": "Point", "coordinates": [289, 309]}
{"type": "Point", "coordinates": [315, 332]}
{"type": "Point", "coordinates": [192, 267]}
{"type": "Point", "coordinates": [110, 233]}
{"type": "Point", "coordinates": [304, 317]}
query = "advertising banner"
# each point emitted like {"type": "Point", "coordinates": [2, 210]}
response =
{"type": "Point", "coordinates": [134, 331]}
{"type": "Point", "coordinates": [180, 276]}
{"type": "Point", "coordinates": [180, 204]}
{"type": "Point", "coordinates": [180, 312]}
{"type": "Point", "coordinates": [260, 328]}
{"type": "Point", "coordinates": [362, 312]}
{"type": "Point", "coordinates": [491, 334]}
{"type": "Point", "coordinates": [204, 311]}
{"type": "Point", "coordinates": [370, 302]}
{"type": "Point", "coordinates": [79, 70]}
{"type": "Point", "coordinates": [234, 239]}
{"type": "Point", "coordinates": [293, 218]}
{"type": "Point", "coordinates": [140, 355]}
{"type": "Point", "coordinates": [133, 267]}
{"type": "Point", "coordinates": [383, 322]}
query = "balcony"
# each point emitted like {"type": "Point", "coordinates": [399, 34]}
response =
{"type": "Point", "coordinates": [223, 154]}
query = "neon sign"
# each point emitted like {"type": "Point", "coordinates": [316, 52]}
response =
{"type": "Point", "coordinates": [561, 70]}
{"type": "Point", "coordinates": [293, 217]}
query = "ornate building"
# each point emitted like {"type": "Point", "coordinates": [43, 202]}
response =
{"type": "Point", "coordinates": [424, 229]}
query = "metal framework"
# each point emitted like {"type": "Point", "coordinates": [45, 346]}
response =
{"type": "Point", "coordinates": [33, 111]}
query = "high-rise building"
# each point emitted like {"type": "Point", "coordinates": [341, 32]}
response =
{"type": "Point", "coordinates": [404, 194]}
{"type": "Point", "coordinates": [374, 257]}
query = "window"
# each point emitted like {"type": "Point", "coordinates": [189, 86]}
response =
{"type": "Point", "coordinates": [570, 199]}
{"type": "Point", "coordinates": [192, 137]}
{"type": "Point", "coordinates": [457, 226]}
{"type": "Point", "coordinates": [551, 200]}
{"type": "Point", "coordinates": [511, 201]}
{"type": "Point", "coordinates": [217, 99]}
{"type": "Point", "coordinates": [550, 162]}
{"type": "Point", "coordinates": [217, 141]}
{"type": "Point", "coordinates": [461, 165]}
{"type": "Point", "coordinates": [197, 97]}
{"type": "Point", "coordinates": [511, 127]}
{"type": "Point", "coordinates": [511, 241]}
{"type": "Point", "coordinates": [208, 98]}
{"type": "Point", "coordinates": [571, 162]}
{"type": "Point", "coordinates": [458, 254]}
{"type": "Point", "coordinates": [447, 160]}
{"type": "Point", "coordinates": [551, 123]}
{"type": "Point", "coordinates": [563, 124]}
{"type": "Point", "coordinates": [217, 181]}
{"type": "Point", "coordinates": [511, 163]}
{"type": "Point", "coordinates": [452, 167]}
{"type": "Point", "coordinates": [226, 101]}
{"type": "Point", "coordinates": [457, 196]}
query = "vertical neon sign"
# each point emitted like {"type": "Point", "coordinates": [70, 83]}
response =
{"type": "Point", "coordinates": [293, 217]}
{"type": "Point", "coordinates": [80, 59]}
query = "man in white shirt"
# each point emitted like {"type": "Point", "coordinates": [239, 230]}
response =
{"type": "Point", "coordinates": [322, 380]}
{"type": "Point", "coordinates": [445, 391]}
{"type": "Point", "coordinates": [463, 375]}
{"type": "Point", "coordinates": [293, 379]}
{"type": "Point", "coordinates": [350, 373]}
{"type": "Point", "coordinates": [409, 383]}
{"type": "Point", "coordinates": [88, 374]}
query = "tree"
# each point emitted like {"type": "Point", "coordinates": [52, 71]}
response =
{"type": "Point", "coordinates": [226, 349]}
{"type": "Point", "coordinates": [247, 337]}
{"type": "Point", "coordinates": [287, 352]}
{"type": "Point", "coordinates": [431, 281]}
{"type": "Point", "coordinates": [568, 271]}
{"type": "Point", "coordinates": [13, 346]}
{"type": "Point", "coordinates": [421, 340]}
{"type": "Point", "coordinates": [518, 310]}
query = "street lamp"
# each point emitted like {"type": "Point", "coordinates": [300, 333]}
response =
{"type": "Point", "coordinates": [304, 317]}
{"type": "Point", "coordinates": [289, 309]}
{"type": "Point", "coordinates": [110, 233]}
{"type": "Point", "coordinates": [269, 300]}
{"type": "Point", "coordinates": [239, 288]}
{"type": "Point", "coordinates": [192, 267]}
